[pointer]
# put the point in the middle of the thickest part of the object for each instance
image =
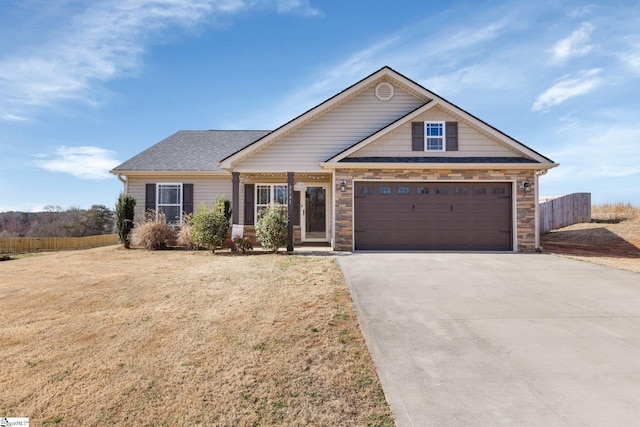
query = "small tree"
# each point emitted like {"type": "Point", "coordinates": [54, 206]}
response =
{"type": "Point", "coordinates": [271, 228]}
{"type": "Point", "coordinates": [124, 218]}
{"type": "Point", "coordinates": [209, 227]}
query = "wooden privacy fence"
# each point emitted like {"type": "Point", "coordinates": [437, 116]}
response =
{"type": "Point", "coordinates": [565, 210]}
{"type": "Point", "coordinates": [14, 245]}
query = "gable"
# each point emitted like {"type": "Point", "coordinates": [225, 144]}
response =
{"type": "Point", "coordinates": [472, 140]}
{"type": "Point", "coordinates": [320, 137]}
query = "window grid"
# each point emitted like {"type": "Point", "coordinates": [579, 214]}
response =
{"type": "Point", "coordinates": [434, 133]}
{"type": "Point", "coordinates": [270, 195]}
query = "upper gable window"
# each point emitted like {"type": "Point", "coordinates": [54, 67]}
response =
{"type": "Point", "coordinates": [434, 136]}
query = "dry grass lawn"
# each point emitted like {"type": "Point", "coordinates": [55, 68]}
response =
{"type": "Point", "coordinates": [131, 337]}
{"type": "Point", "coordinates": [611, 239]}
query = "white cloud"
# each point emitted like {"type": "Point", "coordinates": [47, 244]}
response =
{"type": "Point", "coordinates": [576, 45]}
{"type": "Point", "coordinates": [84, 162]}
{"type": "Point", "coordinates": [406, 51]}
{"type": "Point", "coordinates": [631, 56]}
{"type": "Point", "coordinates": [581, 11]}
{"type": "Point", "coordinates": [568, 87]}
{"type": "Point", "coordinates": [301, 7]}
{"type": "Point", "coordinates": [103, 42]}
{"type": "Point", "coordinates": [597, 152]}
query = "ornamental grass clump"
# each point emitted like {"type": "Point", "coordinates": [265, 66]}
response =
{"type": "Point", "coordinates": [271, 228]}
{"type": "Point", "coordinates": [185, 234]}
{"type": "Point", "coordinates": [154, 233]}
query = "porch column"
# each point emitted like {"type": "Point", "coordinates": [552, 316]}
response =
{"type": "Point", "coordinates": [235, 197]}
{"type": "Point", "coordinates": [290, 210]}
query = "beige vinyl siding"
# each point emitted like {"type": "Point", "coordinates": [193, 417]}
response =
{"type": "Point", "coordinates": [205, 189]}
{"type": "Point", "coordinates": [472, 142]}
{"type": "Point", "coordinates": [330, 133]}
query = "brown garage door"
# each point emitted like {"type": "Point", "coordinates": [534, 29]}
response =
{"type": "Point", "coordinates": [432, 216]}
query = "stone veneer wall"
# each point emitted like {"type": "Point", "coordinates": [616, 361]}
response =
{"type": "Point", "coordinates": [526, 210]}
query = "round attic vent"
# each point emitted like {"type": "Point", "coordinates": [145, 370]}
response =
{"type": "Point", "coordinates": [384, 91]}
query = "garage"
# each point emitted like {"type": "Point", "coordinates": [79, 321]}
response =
{"type": "Point", "coordinates": [456, 216]}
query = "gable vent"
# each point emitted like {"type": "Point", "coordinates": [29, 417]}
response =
{"type": "Point", "coordinates": [384, 91]}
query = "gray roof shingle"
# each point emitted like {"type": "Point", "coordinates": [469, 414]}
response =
{"type": "Point", "coordinates": [191, 150]}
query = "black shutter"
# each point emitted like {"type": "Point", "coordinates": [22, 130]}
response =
{"type": "Point", "coordinates": [296, 208]}
{"type": "Point", "coordinates": [187, 198]}
{"type": "Point", "coordinates": [248, 204]}
{"type": "Point", "coordinates": [150, 197]}
{"type": "Point", "coordinates": [451, 130]}
{"type": "Point", "coordinates": [417, 136]}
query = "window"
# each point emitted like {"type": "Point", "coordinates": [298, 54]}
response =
{"type": "Point", "coordinates": [434, 136]}
{"type": "Point", "coordinates": [460, 191]}
{"type": "Point", "coordinates": [422, 190]}
{"type": "Point", "coordinates": [479, 190]}
{"type": "Point", "coordinates": [170, 202]}
{"type": "Point", "coordinates": [384, 190]}
{"type": "Point", "coordinates": [404, 190]}
{"type": "Point", "coordinates": [270, 195]}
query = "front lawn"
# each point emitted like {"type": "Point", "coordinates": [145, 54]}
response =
{"type": "Point", "coordinates": [131, 337]}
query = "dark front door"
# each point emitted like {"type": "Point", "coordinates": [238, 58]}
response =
{"type": "Point", "coordinates": [433, 216]}
{"type": "Point", "coordinates": [315, 214]}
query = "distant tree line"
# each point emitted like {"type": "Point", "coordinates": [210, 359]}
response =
{"type": "Point", "coordinates": [56, 222]}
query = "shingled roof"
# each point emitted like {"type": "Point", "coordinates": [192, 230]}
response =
{"type": "Point", "coordinates": [191, 150]}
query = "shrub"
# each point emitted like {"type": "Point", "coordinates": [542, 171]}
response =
{"type": "Point", "coordinates": [124, 217]}
{"type": "Point", "coordinates": [271, 228]}
{"type": "Point", "coordinates": [243, 244]}
{"type": "Point", "coordinates": [185, 234]}
{"type": "Point", "coordinates": [209, 227]}
{"type": "Point", "coordinates": [154, 233]}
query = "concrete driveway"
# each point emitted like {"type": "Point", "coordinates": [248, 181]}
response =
{"type": "Point", "coordinates": [500, 339]}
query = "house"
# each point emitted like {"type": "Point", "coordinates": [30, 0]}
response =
{"type": "Point", "coordinates": [383, 165]}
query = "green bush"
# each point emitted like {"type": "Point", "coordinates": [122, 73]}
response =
{"type": "Point", "coordinates": [209, 227]}
{"type": "Point", "coordinates": [124, 217]}
{"type": "Point", "coordinates": [271, 228]}
{"type": "Point", "coordinates": [243, 244]}
{"type": "Point", "coordinates": [154, 233]}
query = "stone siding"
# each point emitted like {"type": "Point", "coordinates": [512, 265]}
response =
{"type": "Point", "coordinates": [524, 222]}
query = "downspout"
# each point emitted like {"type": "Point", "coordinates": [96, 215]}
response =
{"type": "Point", "coordinates": [537, 175]}
{"type": "Point", "coordinates": [124, 181]}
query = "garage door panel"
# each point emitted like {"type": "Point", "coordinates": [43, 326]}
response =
{"type": "Point", "coordinates": [433, 216]}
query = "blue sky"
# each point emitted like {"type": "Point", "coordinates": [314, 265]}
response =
{"type": "Point", "coordinates": [85, 85]}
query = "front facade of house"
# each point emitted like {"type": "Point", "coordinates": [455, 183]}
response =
{"type": "Point", "coordinates": [383, 165]}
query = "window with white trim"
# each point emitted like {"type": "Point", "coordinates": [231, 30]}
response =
{"type": "Point", "coordinates": [434, 136]}
{"type": "Point", "coordinates": [270, 195]}
{"type": "Point", "coordinates": [169, 201]}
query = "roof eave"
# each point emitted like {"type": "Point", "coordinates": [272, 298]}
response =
{"type": "Point", "coordinates": [167, 172]}
{"type": "Point", "coordinates": [432, 166]}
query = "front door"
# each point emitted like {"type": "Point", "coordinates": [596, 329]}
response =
{"type": "Point", "coordinates": [314, 215]}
